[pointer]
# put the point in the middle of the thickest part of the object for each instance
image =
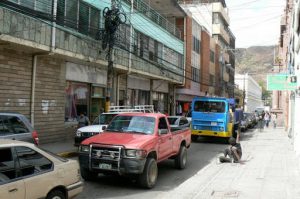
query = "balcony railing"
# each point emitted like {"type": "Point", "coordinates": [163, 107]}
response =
{"type": "Point", "coordinates": [154, 16]}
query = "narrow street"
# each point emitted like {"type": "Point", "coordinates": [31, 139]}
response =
{"type": "Point", "coordinates": [268, 169]}
{"type": "Point", "coordinates": [201, 153]}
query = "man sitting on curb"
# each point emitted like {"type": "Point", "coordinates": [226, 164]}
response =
{"type": "Point", "coordinates": [234, 151]}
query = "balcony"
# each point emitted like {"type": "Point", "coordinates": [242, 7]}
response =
{"type": "Point", "coordinates": [218, 7]}
{"type": "Point", "coordinates": [218, 29]}
{"type": "Point", "coordinates": [154, 16]}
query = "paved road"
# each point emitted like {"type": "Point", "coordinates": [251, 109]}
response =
{"type": "Point", "coordinates": [200, 154]}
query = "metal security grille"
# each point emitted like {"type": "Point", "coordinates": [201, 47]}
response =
{"type": "Point", "coordinates": [75, 14]}
{"type": "Point", "coordinates": [106, 157]}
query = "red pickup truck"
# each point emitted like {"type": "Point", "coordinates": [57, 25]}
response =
{"type": "Point", "coordinates": [132, 145]}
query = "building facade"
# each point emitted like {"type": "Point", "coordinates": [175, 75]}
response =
{"type": "Point", "coordinates": [252, 92]}
{"type": "Point", "coordinates": [213, 16]}
{"type": "Point", "coordinates": [53, 66]}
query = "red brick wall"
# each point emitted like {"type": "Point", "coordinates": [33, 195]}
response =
{"type": "Point", "coordinates": [205, 60]}
{"type": "Point", "coordinates": [188, 53]}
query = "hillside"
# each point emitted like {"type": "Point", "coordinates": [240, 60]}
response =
{"type": "Point", "coordinates": [257, 61]}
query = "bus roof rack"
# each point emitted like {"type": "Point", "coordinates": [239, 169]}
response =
{"type": "Point", "coordinates": [138, 108]}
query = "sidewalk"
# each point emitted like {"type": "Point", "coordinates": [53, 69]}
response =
{"type": "Point", "coordinates": [270, 171]}
{"type": "Point", "coordinates": [65, 148]}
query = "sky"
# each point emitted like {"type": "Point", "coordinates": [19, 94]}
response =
{"type": "Point", "coordinates": [255, 22]}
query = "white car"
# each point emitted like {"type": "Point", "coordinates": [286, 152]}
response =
{"type": "Point", "coordinates": [101, 122]}
{"type": "Point", "coordinates": [27, 172]}
{"type": "Point", "coordinates": [98, 126]}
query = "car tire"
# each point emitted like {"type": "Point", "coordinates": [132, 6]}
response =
{"type": "Point", "coordinates": [88, 175]}
{"type": "Point", "coordinates": [181, 158]}
{"type": "Point", "coordinates": [194, 138]}
{"type": "Point", "coordinates": [149, 176]}
{"type": "Point", "coordinates": [56, 194]}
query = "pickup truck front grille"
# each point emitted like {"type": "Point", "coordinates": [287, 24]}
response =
{"type": "Point", "coordinates": [105, 157]}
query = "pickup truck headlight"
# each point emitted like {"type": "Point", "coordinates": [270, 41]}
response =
{"type": "Point", "coordinates": [78, 133]}
{"type": "Point", "coordinates": [84, 148]}
{"type": "Point", "coordinates": [133, 153]}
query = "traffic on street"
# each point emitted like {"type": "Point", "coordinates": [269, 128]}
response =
{"type": "Point", "coordinates": [151, 99]}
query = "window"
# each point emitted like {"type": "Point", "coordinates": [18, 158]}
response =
{"type": "Point", "coordinates": [5, 128]}
{"type": "Point", "coordinates": [212, 56]}
{"type": "Point", "coordinates": [7, 166]}
{"type": "Point", "coordinates": [77, 100]}
{"type": "Point", "coordinates": [162, 123]}
{"type": "Point", "coordinates": [83, 22]}
{"type": "Point", "coordinates": [195, 74]}
{"type": "Point", "coordinates": [183, 121]}
{"type": "Point", "coordinates": [78, 15]}
{"type": "Point", "coordinates": [17, 125]}
{"type": "Point", "coordinates": [205, 106]}
{"type": "Point", "coordinates": [196, 45]}
{"type": "Point", "coordinates": [211, 80]}
{"type": "Point", "coordinates": [31, 162]}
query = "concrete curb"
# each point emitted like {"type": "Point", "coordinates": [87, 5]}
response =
{"type": "Point", "coordinates": [68, 154]}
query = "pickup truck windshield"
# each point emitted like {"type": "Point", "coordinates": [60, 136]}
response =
{"type": "Point", "coordinates": [103, 119]}
{"type": "Point", "coordinates": [132, 124]}
{"type": "Point", "coordinates": [211, 107]}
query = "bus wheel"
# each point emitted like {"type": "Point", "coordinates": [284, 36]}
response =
{"type": "Point", "coordinates": [194, 138]}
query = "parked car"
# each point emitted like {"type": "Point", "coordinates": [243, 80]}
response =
{"type": "Point", "coordinates": [101, 122]}
{"type": "Point", "coordinates": [26, 171]}
{"type": "Point", "coordinates": [247, 121]}
{"type": "Point", "coordinates": [97, 127]}
{"type": "Point", "coordinates": [178, 122]}
{"type": "Point", "coordinates": [132, 145]}
{"type": "Point", "coordinates": [16, 126]}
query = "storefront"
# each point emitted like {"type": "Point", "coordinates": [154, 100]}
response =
{"type": "Point", "coordinates": [85, 91]}
{"type": "Point", "coordinates": [160, 96]}
{"type": "Point", "coordinates": [138, 92]}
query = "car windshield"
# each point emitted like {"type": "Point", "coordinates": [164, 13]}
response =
{"type": "Point", "coordinates": [103, 119]}
{"type": "Point", "coordinates": [205, 106]}
{"type": "Point", "coordinates": [132, 124]}
{"type": "Point", "coordinates": [172, 120]}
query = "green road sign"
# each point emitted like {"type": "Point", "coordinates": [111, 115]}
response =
{"type": "Point", "coordinates": [280, 82]}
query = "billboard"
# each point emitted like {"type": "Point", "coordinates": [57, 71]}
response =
{"type": "Point", "coordinates": [280, 82]}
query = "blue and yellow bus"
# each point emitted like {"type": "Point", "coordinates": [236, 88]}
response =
{"type": "Point", "coordinates": [212, 116]}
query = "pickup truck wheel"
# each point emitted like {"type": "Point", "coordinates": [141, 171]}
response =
{"type": "Point", "coordinates": [194, 138]}
{"type": "Point", "coordinates": [88, 175]}
{"type": "Point", "coordinates": [181, 158]}
{"type": "Point", "coordinates": [149, 176]}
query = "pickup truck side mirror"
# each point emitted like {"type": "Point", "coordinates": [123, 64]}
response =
{"type": "Point", "coordinates": [162, 131]}
{"type": "Point", "coordinates": [103, 128]}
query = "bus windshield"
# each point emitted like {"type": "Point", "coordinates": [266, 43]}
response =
{"type": "Point", "coordinates": [210, 107]}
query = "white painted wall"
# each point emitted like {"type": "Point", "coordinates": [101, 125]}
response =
{"type": "Point", "coordinates": [252, 89]}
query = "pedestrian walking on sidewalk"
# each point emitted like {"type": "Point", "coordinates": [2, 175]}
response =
{"type": "Point", "coordinates": [234, 151]}
{"type": "Point", "coordinates": [274, 119]}
{"type": "Point", "coordinates": [267, 119]}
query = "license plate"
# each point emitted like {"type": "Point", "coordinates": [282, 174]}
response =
{"type": "Point", "coordinates": [214, 123]}
{"type": "Point", "coordinates": [104, 166]}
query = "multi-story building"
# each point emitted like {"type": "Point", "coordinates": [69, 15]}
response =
{"type": "Point", "coordinates": [289, 60]}
{"type": "Point", "coordinates": [52, 65]}
{"type": "Point", "coordinates": [251, 90]}
{"type": "Point", "coordinates": [213, 16]}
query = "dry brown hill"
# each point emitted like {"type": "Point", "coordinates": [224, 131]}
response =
{"type": "Point", "coordinates": [255, 60]}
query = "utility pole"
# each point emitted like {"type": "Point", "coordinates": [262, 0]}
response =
{"type": "Point", "coordinates": [244, 91]}
{"type": "Point", "coordinates": [113, 18]}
